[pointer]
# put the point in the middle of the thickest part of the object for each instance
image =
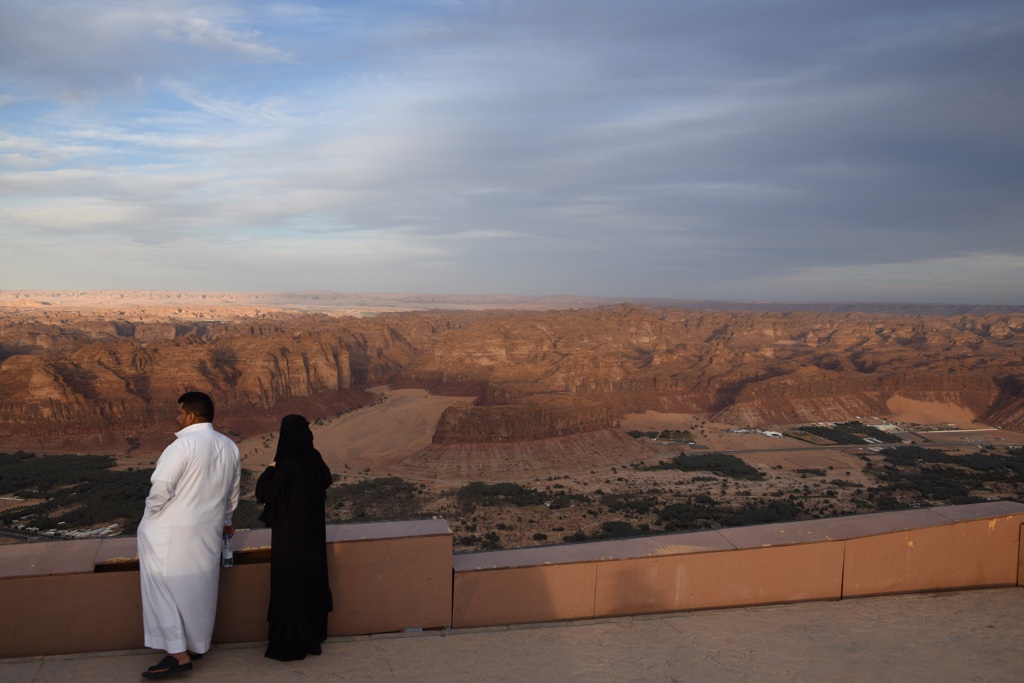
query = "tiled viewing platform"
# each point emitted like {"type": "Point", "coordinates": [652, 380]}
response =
{"type": "Point", "coordinates": [934, 638]}
{"type": "Point", "coordinates": [60, 599]}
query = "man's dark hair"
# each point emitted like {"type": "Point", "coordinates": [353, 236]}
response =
{"type": "Point", "coordinates": [197, 403]}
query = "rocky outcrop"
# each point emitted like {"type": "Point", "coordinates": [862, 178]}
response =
{"type": "Point", "coordinates": [75, 386]}
{"type": "Point", "coordinates": [465, 423]}
{"type": "Point", "coordinates": [533, 375]}
{"type": "Point", "coordinates": [812, 394]}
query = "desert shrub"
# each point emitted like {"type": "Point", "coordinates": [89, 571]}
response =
{"type": "Point", "coordinates": [702, 515]}
{"type": "Point", "coordinates": [719, 463]}
{"type": "Point", "coordinates": [761, 513]}
{"type": "Point", "coordinates": [503, 493]}
{"type": "Point", "coordinates": [564, 500]}
{"type": "Point", "coordinates": [687, 516]}
{"type": "Point", "coordinates": [383, 498]}
{"type": "Point", "coordinates": [247, 515]}
{"type": "Point", "coordinates": [620, 529]}
{"type": "Point", "coordinates": [907, 456]}
{"type": "Point", "coordinates": [491, 541]}
{"type": "Point", "coordinates": [815, 472]}
{"type": "Point", "coordinates": [887, 502]}
{"type": "Point", "coordinates": [610, 530]}
{"type": "Point", "coordinates": [640, 504]}
{"type": "Point", "coordinates": [943, 484]}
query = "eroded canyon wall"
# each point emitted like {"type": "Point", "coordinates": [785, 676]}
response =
{"type": "Point", "coordinates": [101, 384]}
{"type": "Point", "coordinates": [531, 374]}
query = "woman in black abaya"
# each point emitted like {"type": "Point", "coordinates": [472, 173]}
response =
{"type": "Point", "coordinates": [294, 488]}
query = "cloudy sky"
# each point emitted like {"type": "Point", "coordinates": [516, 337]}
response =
{"type": "Point", "coordinates": [791, 150]}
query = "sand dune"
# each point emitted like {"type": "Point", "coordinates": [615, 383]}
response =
{"type": "Point", "coordinates": [929, 413]}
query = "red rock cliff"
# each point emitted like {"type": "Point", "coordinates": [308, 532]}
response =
{"type": "Point", "coordinates": [533, 373]}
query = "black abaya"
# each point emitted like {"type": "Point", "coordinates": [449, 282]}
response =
{"type": "Point", "coordinates": [300, 595]}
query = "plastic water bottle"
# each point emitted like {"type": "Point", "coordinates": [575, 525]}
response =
{"type": "Point", "coordinates": [227, 557]}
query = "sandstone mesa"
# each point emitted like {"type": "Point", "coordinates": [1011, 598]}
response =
{"type": "Point", "coordinates": [80, 373]}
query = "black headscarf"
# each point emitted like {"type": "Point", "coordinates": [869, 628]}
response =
{"type": "Point", "coordinates": [296, 439]}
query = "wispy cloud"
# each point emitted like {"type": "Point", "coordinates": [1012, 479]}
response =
{"type": "Point", "coordinates": [205, 33]}
{"type": "Point", "coordinates": [271, 110]}
{"type": "Point", "coordinates": [790, 151]}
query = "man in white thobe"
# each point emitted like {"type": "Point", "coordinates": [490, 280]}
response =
{"type": "Point", "coordinates": [193, 496]}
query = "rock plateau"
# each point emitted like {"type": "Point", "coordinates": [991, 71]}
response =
{"type": "Point", "coordinates": [107, 376]}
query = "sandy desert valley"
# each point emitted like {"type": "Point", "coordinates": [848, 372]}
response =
{"type": "Point", "coordinates": [380, 441]}
{"type": "Point", "coordinates": [527, 425]}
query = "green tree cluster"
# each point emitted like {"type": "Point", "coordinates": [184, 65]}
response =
{"type": "Point", "coordinates": [371, 500]}
{"type": "Point", "coordinates": [665, 434]}
{"type": "Point", "coordinates": [80, 490]}
{"type": "Point", "coordinates": [850, 433]}
{"type": "Point", "coordinates": [502, 493]}
{"type": "Point", "coordinates": [721, 464]}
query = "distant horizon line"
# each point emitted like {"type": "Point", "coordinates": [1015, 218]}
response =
{"type": "Point", "coordinates": [451, 297]}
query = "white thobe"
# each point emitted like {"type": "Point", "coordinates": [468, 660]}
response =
{"type": "Point", "coordinates": [193, 495]}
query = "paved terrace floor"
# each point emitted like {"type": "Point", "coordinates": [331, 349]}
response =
{"type": "Point", "coordinates": [956, 637]}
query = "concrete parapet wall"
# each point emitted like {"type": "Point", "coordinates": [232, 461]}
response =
{"type": "Point", "coordinates": [68, 613]}
{"type": "Point", "coordinates": [83, 596]}
{"type": "Point", "coordinates": [956, 547]}
{"type": "Point", "coordinates": [389, 576]}
{"type": "Point", "coordinates": [958, 554]}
